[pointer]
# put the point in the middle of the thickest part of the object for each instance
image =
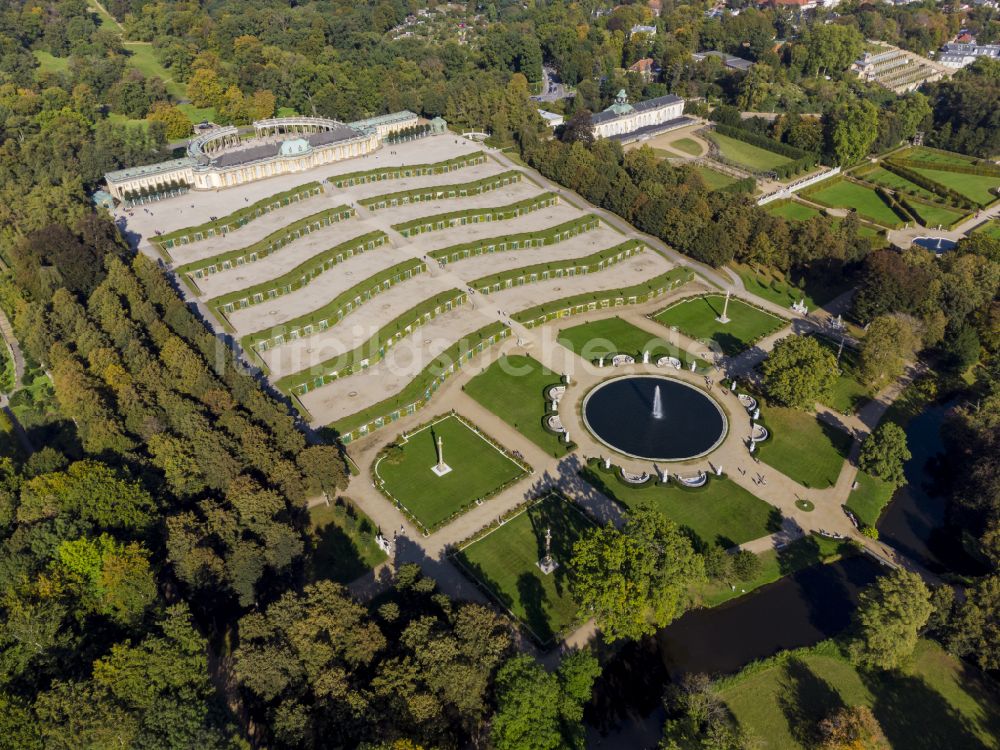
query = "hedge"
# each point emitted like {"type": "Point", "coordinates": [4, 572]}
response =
{"type": "Point", "coordinates": [413, 170]}
{"type": "Point", "coordinates": [374, 348]}
{"type": "Point", "coordinates": [334, 311]}
{"type": "Point", "coordinates": [240, 218]}
{"type": "Point", "coordinates": [746, 185]}
{"type": "Point", "coordinates": [928, 184]}
{"type": "Point", "coordinates": [558, 233]}
{"type": "Point", "coordinates": [299, 276]}
{"type": "Point", "coordinates": [543, 271]}
{"type": "Point", "coordinates": [890, 200]}
{"type": "Point", "coordinates": [801, 160]}
{"type": "Point", "coordinates": [418, 392]}
{"type": "Point", "coordinates": [475, 215]}
{"type": "Point", "coordinates": [432, 192]}
{"type": "Point", "coordinates": [262, 248]}
{"type": "Point", "coordinates": [980, 169]}
{"type": "Point", "coordinates": [581, 303]}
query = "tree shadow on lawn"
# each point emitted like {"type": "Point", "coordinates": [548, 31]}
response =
{"type": "Point", "coordinates": [335, 555]}
{"type": "Point", "coordinates": [567, 525]}
{"type": "Point", "coordinates": [913, 715]}
{"type": "Point", "coordinates": [533, 600]}
{"type": "Point", "coordinates": [805, 699]}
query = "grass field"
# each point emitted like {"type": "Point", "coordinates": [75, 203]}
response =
{"type": "Point", "coordinates": [198, 114]}
{"type": "Point", "coordinates": [714, 179]}
{"type": "Point", "coordinates": [753, 158]}
{"type": "Point", "coordinates": [774, 565]}
{"type": "Point", "coordinates": [792, 210]}
{"type": "Point", "coordinates": [973, 186]}
{"type": "Point", "coordinates": [697, 318]}
{"type": "Point", "coordinates": [688, 146]}
{"type": "Point", "coordinates": [869, 499]}
{"type": "Point", "coordinates": [990, 229]}
{"type": "Point", "coordinates": [936, 702]}
{"type": "Point", "coordinates": [49, 64]}
{"type": "Point", "coordinates": [802, 447]}
{"type": "Point", "coordinates": [721, 513]}
{"type": "Point", "coordinates": [921, 153]}
{"type": "Point", "coordinates": [938, 215]}
{"type": "Point", "coordinates": [884, 178]}
{"type": "Point", "coordinates": [343, 540]}
{"type": "Point", "coordinates": [602, 338]}
{"type": "Point", "coordinates": [776, 287]}
{"type": "Point", "coordinates": [143, 59]}
{"type": "Point", "coordinates": [505, 563]}
{"type": "Point", "coordinates": [513, 388]}
{"type": "Point", "coordinates": [477, 470]}
{"type": "Point", "coordinates": [844, 194]}
{"type": "Point", "coordinates": [847, 394]}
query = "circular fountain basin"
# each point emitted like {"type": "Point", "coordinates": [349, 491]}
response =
{"type": "Point", "coordinates": [619, 413]}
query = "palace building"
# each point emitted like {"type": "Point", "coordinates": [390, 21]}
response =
{"type": "Point", "coordinates": [627, 122]}
{"type": "Point", "coordinates": [221, 158]}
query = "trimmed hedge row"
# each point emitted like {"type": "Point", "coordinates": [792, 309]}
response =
{"type": "Point", "coordinates": [262, 248]}
{"type": "Point", "coordinates": [374, 349]}
{"type": "Point", "coordinates": [299, 276]}
{"type": "Point", "coordinates": [238, 219]}
{"type": "Point", "coordinates": [891, 202]}
{"type": "Point", "coordinates": [413, 170]}
{"type": "Point", "coordinates": [431, 192]}
{"type": "Point", "coordinates": [926, 183]}
{"type": "Point", "coordinates": [558, 233]}
{"type": "Point", "coordinates": [542, 271]}
{"type": "Point", "coordinates": [336, 310]}
{"type": "Point", "coordinates": [801, 160]}
{"type": "Point", "coordinates": [475, 215]}
{"type": "Point", "coordinates": [981, 169]}
{"type": "Point", "coordinates": [418, 392]}
{"type": "Point", "coordinates": [580, 303]}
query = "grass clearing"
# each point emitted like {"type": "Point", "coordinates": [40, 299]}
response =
{"type": "Point", "coordinates": [803, 447]}
{"type": "Point", "coordinates": [505, 561]}
{"type": "Point", "coordinates": [792, 210]}
{"type": "Point", "coordinates": [696, 318]}
{"type": "Point", "coordinates": [714, 179]}
{"type": "Point", "coordinates": [514, 388]}
{"type": "Point", "coordinates": [721, 512]}
{"type": "Point", "coordinates": [478, 470]}
{"type": "Point", "coordinates": [754, 158]}
{"type": "Point", "coordinates": [343, 540]}
{"type": "Point", "coordinates": [143, 59]}
{"type": "Point", "coordinates": [846, 194]}
{"type": "Point", "coordinates": [49, 63]}
{"type": "Point", "coordinates": [976, 188]}
{"type": "Point", "coordinates": [935, 702]}
{"type": "Point", "coordinates": [688, 146]}
{"type": "Point", "coordinates": [198, 114]}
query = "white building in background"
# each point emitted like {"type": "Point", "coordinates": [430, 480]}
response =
{"type": "Point", "coordinates": [626, 122]}
{"type": "Point", "coordinates": [552, 119]}
{"type": "Point", "coordinates": [957, 55]}
{"type": "Point", "coordinates": [641, 29]}
{"type": "Point", "coordinates": [220, 158]}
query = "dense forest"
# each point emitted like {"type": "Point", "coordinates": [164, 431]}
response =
{"type": "Point", "coordinates": [155, 563]}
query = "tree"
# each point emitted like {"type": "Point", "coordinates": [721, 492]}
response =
{"type": "Point", "coordinates": [889, 342]}
{"type": "Point", "coordinates": [205, 89]}
{"type": "Point", "coordinates": [538, 710]}
{"type": "Point", "coordinates": [975, 629]}
{"type": "Point", "coordinates": [884, 452]}
{"type": "Point", "coordinates": [851, 129]}
{"type": "Point", "coordinates": [799, 371]}
{"type": "Point", "coordinates": [577, 129]}
{"type": "Point", "coordinates": [635, 580]}
{"type": "Point", "coordinates": [888, 620]}
{"type": "Point", "coordinates": [177, 123]}
{"type": "Point", "coordinates": [746, 565]}
{"type": "Point", "coordinates": [852, 728]}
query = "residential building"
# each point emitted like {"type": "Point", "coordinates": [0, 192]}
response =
{"type": "Point", "coordinates": [958, 55]}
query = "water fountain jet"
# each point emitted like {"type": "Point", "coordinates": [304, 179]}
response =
{"type": "Point", "coordinates": [657, 404]}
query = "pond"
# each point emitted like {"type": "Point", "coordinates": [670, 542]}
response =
{"type": "Point", "coordinates": [801, 609]}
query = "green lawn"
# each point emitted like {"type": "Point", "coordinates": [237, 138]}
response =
{"type": "Point", "coordinates": [802, 447]}
{"type": "Point", "coordinates": [921, 153]}
{"type": "Point", "coordinates": [845, 194]}
{"type": "Point", "coordinates": [198, 114]}
{"type": "Point", "coordinates": [974, 187]}
{"type": "Point", "coordinates": [792, 210]}
{"type": "Point", "coordinates": [505, 563]}
{"type": "Point", "coordinates": [688, 146]}
{"type": "Point", "coordinates": [936, 702]}
{"type": "Point", "coordinates": [884, 178]}
{"type": "Point", "coordinates": [143, 59]}
{"type": "Point", "coordinates": [721, 513]}
{"type": "Point", "coordinates": [603, 338]}
{"type": "Point", "coordinates": [343, 543]}
{"type": "Point", "coordinates": [990, 229]}
{"type": "Point", "coordinates": [938, 215]}
{"type": "Point", "coordinates": [49, 64]}
{"type": "Point", "coordinates": [871, 496]}
{"type": "Point", "coordinates": [714, 179]}
{"type": "Point", "coordinates": [697, 318]}
{"type": "Point", "coordinates": [477, 470]}
{"type": "Point", "coordinates": [776, 287]}
{"type": "Point", "coordinates": [774, 564]}
{"type": "Point", "coordinates": [752, 157]}
{"type": "Point", "coordinates": [513, 388]}
{"type": "Point", "coordinates": [847, 394]}
{"type": "Point", "coordinates": [104, 18]}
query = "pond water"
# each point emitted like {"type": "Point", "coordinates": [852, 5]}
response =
{"type": "Point", "coordinates": [801, 609]}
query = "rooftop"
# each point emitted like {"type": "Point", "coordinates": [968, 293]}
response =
{"type": "Point", "coordinates": [288, 147]}
{"type": "Point", "coordinates": [150, 169]}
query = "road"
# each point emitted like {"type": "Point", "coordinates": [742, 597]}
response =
{"type": "Point", "coordinates": [553, 89]}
